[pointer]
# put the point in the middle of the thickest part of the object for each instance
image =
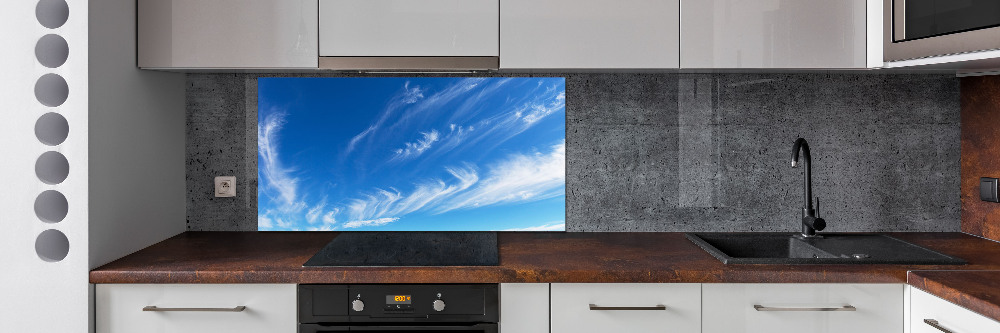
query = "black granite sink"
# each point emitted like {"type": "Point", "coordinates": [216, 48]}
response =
{"type": "Point", "coordinates": [786, 248]}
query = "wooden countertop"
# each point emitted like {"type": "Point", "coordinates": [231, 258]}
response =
{"type": "Point", "coordinates": [277, 257]}
{"type": "Point", "coordinates": [978, 291]}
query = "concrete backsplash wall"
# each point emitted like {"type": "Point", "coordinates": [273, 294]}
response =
{"type": "Point", "coordinates": [682, 152]}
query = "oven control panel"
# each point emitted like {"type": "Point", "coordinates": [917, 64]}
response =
{"type": "Point", "coordinates": [398, 303]}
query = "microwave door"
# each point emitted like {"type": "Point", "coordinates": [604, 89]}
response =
{"type": "Point", "coordinates": [916, 19]}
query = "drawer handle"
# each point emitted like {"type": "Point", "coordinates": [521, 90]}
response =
{"type": "Point", "coordinates": [759, 307]}
{"type": "Point", "coordinates": [937, 325]}
{"type": "Point", "coordinates": [234, 309]}
{"type": "Point", "coordinates": [627, 308]}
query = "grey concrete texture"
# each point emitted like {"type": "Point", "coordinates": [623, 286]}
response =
{"type": "Point", "coordinates": [683, 152]}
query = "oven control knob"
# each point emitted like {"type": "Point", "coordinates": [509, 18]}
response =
{"type": "Point", "coordinates": [358, 305]}
{"type": "Point", "coordinates": [438, 305]}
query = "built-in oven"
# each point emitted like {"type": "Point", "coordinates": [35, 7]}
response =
{"type": "Point", "coordinates": [927, 28]}
{"type": "Point", "coordinates": [465, 308]}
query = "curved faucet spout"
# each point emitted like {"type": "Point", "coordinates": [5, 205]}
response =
{"type": "Point", "coordinates": [803, 146]}
{"type": "Point", "coordinates": [810, 222]}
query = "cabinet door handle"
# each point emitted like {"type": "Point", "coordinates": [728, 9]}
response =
{"type": "Point", "coordinates": [759, 307]}
{"type": "Point", "coordinates": [233, 309]}
{"type": "Point", "coordinates": [937, 325]}
{"type": "Point", "coordinates": [628, 308]}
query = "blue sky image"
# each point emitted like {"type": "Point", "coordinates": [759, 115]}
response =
{"type": "Point", "coordinates": [411, 154]}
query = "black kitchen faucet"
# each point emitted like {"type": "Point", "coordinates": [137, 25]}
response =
{"type": "Point", "coordinates": [810, 222]}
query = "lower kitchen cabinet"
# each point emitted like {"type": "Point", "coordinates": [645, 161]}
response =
{"type": "Point", "coordinates": [626, 307]}
{"type": "Point", "coordinates": [802, 308]}
{"type": "Point", "coordinates": [196, 308]}
{"type": "Point", "coordinates": [524, 308]}
{"type": "Point", "coordinates": [930, 314]}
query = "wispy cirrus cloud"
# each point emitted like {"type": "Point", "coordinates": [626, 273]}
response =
{"type": "Point", "coordinates": [407, 96]}
{"type": "Point", "coordinates": [382, 203]}
{"type": "Point", "coordinates": [312, 216]}
{"type": "Point", "coordinates": [414, 149]}
{"type": "Point", "coordinates": [272, 174]}
{"type": "Point", "coordinates": [331, 216]}
{"type": "Point", "coordinates": [519, 178]}
{"type": "Point", "coordinates": [554, 226]}
{"type": "Point", "coordinates": [370, 223]}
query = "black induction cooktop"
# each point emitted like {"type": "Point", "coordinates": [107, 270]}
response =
{"type": "Point", "coordinates": [405, 248]}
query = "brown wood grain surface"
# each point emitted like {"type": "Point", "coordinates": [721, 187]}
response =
{"type": "Point", "coordinates": [980, 153]}
{"type": "Point", "coordinates": [277, 257]}
{"type": "Point", "coordinates": [978, 291]}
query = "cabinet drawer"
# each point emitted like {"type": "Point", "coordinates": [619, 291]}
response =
{"type": "Point", "coordinates": [729, 308]}
{"type": "Point", "coordinates": [633, 308]}
{"type": "Point", "coordinates": [269, 308]}
{"type": "Point", "coordinates": [949, 316]}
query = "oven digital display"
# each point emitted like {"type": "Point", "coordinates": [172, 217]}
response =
{"type": "Point", "coordinates": [397, 299]}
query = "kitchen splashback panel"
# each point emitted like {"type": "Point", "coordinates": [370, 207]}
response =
{"type": "Point", "coordinates": [681, 152]}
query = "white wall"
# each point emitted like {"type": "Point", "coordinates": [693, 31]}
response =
{"type": "Point", "coordinates": [137, 187]}
{"type": "Point", "coordinates": [36, 295]}
{"type": "Point", "coordinates": [126, 135]}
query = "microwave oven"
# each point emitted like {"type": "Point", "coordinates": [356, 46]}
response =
{"type": "Point", "coordinates": [915, 29]}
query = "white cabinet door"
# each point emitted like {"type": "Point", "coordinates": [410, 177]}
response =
{"type": "Point", "coordinates": [626, 307]}
{"type": "Point", "coordinates": [409, 28]}
{"type": "Point", "coordinates": [269, 308]}
{"type": "Point", "coordinates": [524, 308]}
{"type": "Point", "coordinates": [774, 33]}
{"type": "Point", "coordinates": [951, 317]}
{"type": "Point", "coordinates": [227, 34]}
{"type": "Point", "coordinates": [793, 308]}
{"type": "Point", "coordinates": [589, 34]}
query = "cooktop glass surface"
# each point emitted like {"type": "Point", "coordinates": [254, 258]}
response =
{"type": "Point", "coordinates": [432, 248]}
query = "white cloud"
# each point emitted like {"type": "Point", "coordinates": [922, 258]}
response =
{"type": "Point", "coordinates": [408, 96]}
{"type": "Point", "coordinates": [438, 99]}
{"type": "Point", "coordinates": [554, 226]}
{"type": "Point", "coordinates": [272, 174]}
{"type": "Point", "coordinates": [432, 192]}
{"type": "Point", "coordinates": [314, 213]}
{"type": "Point", "coordinates": [322, 228]}
{"type": "Point", "coordinates": [331, 216]}
{"type": "Point", "coordinates": [264, 222]}
{"type": "Point", "coordinates": [382, 203]}
{"type": "Point", "coordinates": [411, 96]}
{"type": "Point", "coordinates": [414, 149]}
{"type": "Point", "coordinates": [370, 223]}
{"type": "Point", "coordinates": [519, 178]}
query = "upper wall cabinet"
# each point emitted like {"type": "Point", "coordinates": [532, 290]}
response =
{"type": "Point", "coordinates": [221, 34]}
{"type": "Point", "coordinates": [778, 33]}
{"type": "Point", "coordinates": [580, 34]}
{"type": "Point", "coordinates": [409, 28]}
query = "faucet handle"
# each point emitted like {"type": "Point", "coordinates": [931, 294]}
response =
{"type": "Point", "coordinates": [817, 206]}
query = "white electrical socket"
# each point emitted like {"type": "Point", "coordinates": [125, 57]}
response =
{"type": "Point", "coordinates": [225, 186]}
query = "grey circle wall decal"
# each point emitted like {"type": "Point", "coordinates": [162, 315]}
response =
{"type": "Point", "coordinates": [52, 245]}
{"type": "Point", "coordinates": [51, 51]}
{"type": "Point", "coordinates": [51, 206]}
{"type": "Point", "coordinates": [51, 129]}
{"type": "Point", "coordinates": [51, 90]}
{"type": "Point", "coordinates": [52, 13]}
{"type": "Point", "coordinates": [52, 168]}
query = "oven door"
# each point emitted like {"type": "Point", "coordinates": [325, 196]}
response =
{"type": "Point", "coordinates": [926, 28]}
{"type": "Point", "coordinates": [472, 328]}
